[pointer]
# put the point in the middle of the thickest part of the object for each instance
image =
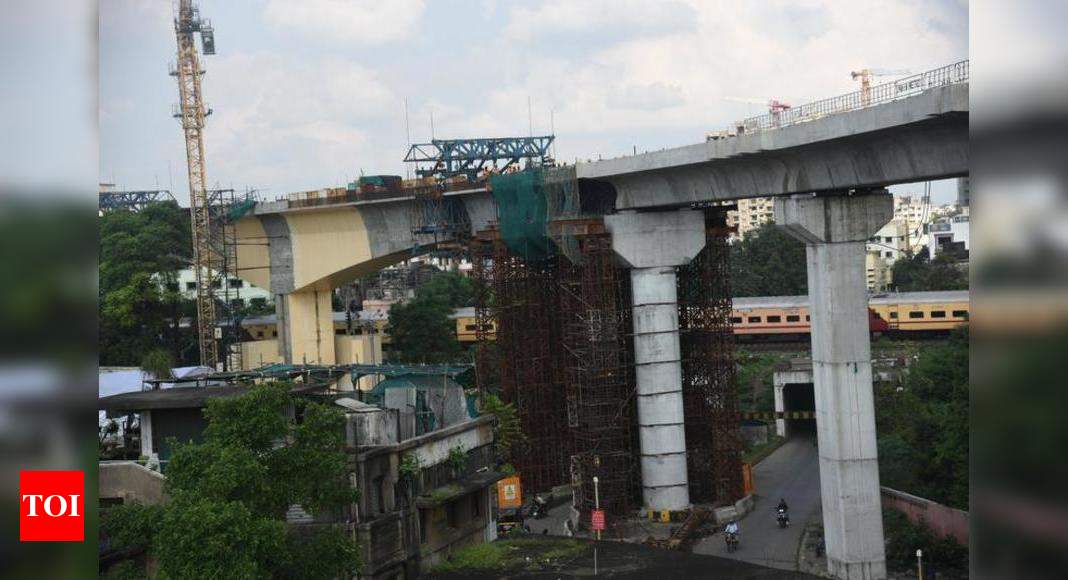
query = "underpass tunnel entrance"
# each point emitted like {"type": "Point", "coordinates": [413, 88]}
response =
{"type": "Point", "coordinates": [799, 408]}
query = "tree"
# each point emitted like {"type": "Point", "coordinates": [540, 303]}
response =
{"type": "Point", "coordinates": [768, 262]}
{"type": "Point", "coordinates": [507, 433]}
{"type": "Point", "coordinates": [923, 425]}
{"type": "Point", "coordinates": [422, 332]}
{"type": "Point", "coordinates": [450, 288]}
{"type": "Point", "coordinates": [140, 303]}
{"type": "Point", "coordinates": [229, 494]}
{"type": "Point", "coordinates": [158, 363]}
{"type": "Point", "coordinates": [920, 273]}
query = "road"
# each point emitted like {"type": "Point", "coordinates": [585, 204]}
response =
{"type": "Point", "coordinates": [791, 472]}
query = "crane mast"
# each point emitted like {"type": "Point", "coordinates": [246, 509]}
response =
{"type": "Point", "coordinates": [207, 262]}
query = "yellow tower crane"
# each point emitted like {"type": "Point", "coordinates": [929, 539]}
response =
{"type": "Point", "coordinates": [865, 76]}
{"type": "Point", "coordinates": [208, 262]}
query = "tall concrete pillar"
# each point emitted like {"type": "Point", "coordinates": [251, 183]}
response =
{"type": "Point", "coordinates": [834, 228]}
{"type": "Point", "coordinates": [652, 245]}
{"type": "Point", "coordinates": [306, 327]}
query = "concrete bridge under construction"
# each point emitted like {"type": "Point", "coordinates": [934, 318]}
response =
{"type": "Point", "coordinates": [828, 175]}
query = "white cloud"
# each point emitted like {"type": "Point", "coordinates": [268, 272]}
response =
{"type": "Point", "coordinates": [589, 16]}
{"type": "Point", "coordinates": [347, 21]}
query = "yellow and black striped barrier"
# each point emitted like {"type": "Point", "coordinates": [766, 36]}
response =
{"type": "Point", "coordinates": [779, 415]}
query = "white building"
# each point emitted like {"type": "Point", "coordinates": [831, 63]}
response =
{"type": "Point", "coordinates": [949, 231]}
{"type": "Point", "coordinates": [239, 289]}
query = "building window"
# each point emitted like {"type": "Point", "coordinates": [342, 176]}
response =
{"type": "Point", "coordinates": [172, 286]}
{"type": "Point", "coordinates": [339, 331]}
{"type": "Point", "coordinates": [736, 320]}
{"type": "Point", "coordinates": [476, 505]}
{"type": "Point", "coordinates": [793, 318]}
{"type": "Point", "coordinates": [888, 240]}
{"type": "Point", "coordinates": [452, 514]}
{"type": "Point", "coordinates": [216, 284]}
{"type": "Point", "coordinates": [807, 318]}
{"type": "Point", "coordinates": [774, 319]}
{"type": "Point", "coordinates": [915, 314]}
{"type": "Point", "coordinates": [754, 319]}
{"type": "Point", "coordinates": [938, 314]}
{"type": "Point", "coordinates": [471, 327]}
{"type": "Point", "coordinates": [888, 254]}
{"type": "Point", "coordinates": [190, 285]}
{"type": "Point", "coordinates": [423, 515]}
{"type": "Point", "coordinates": [960, 314]}
{"type": "Point", "coordinates": [274, 334]}
{"type": "Point", "coordinates": [893, 315]}
{"type": "Point", "coordinates": [259, 334]}
{"type": "Point", "coordinates": [236, 283]}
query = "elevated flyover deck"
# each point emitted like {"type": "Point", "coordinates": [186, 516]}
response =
{"type": "Point", "coordinates": [916, 138]}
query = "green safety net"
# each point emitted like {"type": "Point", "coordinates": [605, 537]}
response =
{"type": "Point", "coordinates": [523, 210]}
{"type": "Point", "coordinates": [239, 209]}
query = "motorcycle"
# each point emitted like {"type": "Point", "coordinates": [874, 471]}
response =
{"type": "Point", "coordinates": [732, 541]}
{"type": "Point", "coordinates": [784, 520]}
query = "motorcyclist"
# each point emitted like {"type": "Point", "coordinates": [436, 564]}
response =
{"type": "Point", "coordinates": [782, 505]}
{"type": "Point", "coordinates": [782, 515]}
{"type": "Point", "coordinates": [731, 528]}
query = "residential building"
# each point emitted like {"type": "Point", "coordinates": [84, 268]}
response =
{"type": "Point", "coordinates": [425, 467]}
{"type": "Point", "coordinates": [751, 214]}
{"type": "Point", "coordinates": [889, 244]}
{"type": "Point", "coordinates": [950, 235]}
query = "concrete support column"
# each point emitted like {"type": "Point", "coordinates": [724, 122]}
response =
{"type": "Point", "coordinates": [305, 327]}
{"type": "Point", "coordinates": [653, 244]}
{"type": "Point", "coordinates": [834, 228]}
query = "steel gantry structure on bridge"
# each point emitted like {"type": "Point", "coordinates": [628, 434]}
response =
{"type": "Point", "coordinates": [451, 157]}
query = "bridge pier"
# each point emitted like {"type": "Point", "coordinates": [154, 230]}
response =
{"type": "Point", "coordinates": [834, 228]}
{"type": "Point", "coordinates": [653, 244]}
{"type": "Point", "coordinates": [305, 327]}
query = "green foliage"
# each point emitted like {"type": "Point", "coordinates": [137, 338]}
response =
{"type": "Point", "coordinates": [229, 494]}
{"type": "Point", "coordinates": [158, 363]}
{"type": "Point", "coordinates": [903, 538]}
{"type": "Point", "coordinates": [923, 425]}
{"type": "Point", "coordinates": [457, 457]}
{"type": "Point", "coordinates": [449, 288]}
{"type": "Point", "coordinates": [410, 466]}
{"type": "Point", "coordinates": [125, 570]}
{"type": "Point", "coordinates": [920, 273]}
{"type": "Point", "coordinates": [130, 525]}
{"type": "Point", "coordinates": [140, 256]}
{"type": "Point", "coordinates": [529, 554]}
{"type": "Point", "coordinates": [507, 433]}
{"type": "Point", "coordinates": [422, 332]}
{"type": "Point", "coordinates": [768, 262]}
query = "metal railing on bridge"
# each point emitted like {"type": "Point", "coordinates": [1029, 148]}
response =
{"type": "Point", "coordinates": [876, 95]}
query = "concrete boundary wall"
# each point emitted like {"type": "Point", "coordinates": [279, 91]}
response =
{"type": "Point", "coordinates": [940, 519]}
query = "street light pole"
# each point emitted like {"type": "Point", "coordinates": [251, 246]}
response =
{"type": "Point", "coordinates": [596, 500]}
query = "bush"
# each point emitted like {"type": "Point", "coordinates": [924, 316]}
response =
{"type": "Point", "coordinates": [903, 538]}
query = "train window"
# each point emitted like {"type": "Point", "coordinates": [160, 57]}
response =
{"type": "Point", "coordinates": [754, 319]}
{"type": "Point", "coordinates": [793, 318]}
{"type": "Point", "coordinates": [915, 314]}
{"type": "Point", "coordinates": [339, 331]}
{"type": "Point", "coordinates": [774, 319]}
{"type": "Point", "coordinates": [938, 314]}
{"type": "Point", "coordinates": [807, 318]}
{"type": "Point", "coordinates": [893, 315]}
{"type": "Point", "coordinates": [960, 314]}
{"type": "Point", "coordinates": [736, 320]}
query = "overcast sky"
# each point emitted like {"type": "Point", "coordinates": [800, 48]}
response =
{"type": "Point", "coordinates": [308, 93]}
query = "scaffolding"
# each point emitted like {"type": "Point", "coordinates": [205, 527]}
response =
{"type": "Point", "coordinates": [709, 400]}
{"type": "Point", "coordinates": [524, 304]}
{"type": "Point", "coordinates": [594, 310]}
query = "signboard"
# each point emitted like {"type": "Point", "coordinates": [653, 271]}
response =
{"type": "Point", "coordinates": [597, 520]}
{"type": "Point", "coordinates": [509, 493]}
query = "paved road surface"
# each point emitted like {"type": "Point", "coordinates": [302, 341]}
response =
{"type": "Point", "coordinates": [791, 472]}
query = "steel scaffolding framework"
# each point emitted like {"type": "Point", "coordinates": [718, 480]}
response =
{"type": "Point", "coordinates": [132, 200]}
{"type": "Point", "coordinates": [713, 439]}
{"type": "Point", "coordinates": [595, 314]}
